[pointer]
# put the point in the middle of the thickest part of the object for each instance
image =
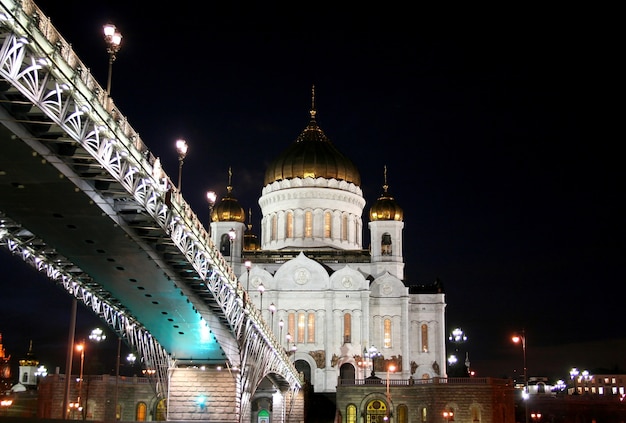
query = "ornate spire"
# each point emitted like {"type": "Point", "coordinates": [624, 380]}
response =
{"type": "Point", "coordinates": [229, 188]}
{"type": "Point", "coordinates": [385, 186]}
{"type": "Point", "coordinates": [313, 111]}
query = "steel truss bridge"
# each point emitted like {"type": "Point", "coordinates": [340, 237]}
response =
{"type": "Point", "coordinates": [84, 201]}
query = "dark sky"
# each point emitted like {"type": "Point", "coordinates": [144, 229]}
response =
{"type": "Point", "coordinates": [496, 129]}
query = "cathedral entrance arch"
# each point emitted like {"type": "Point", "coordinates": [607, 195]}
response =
{"type": "Point", "coordinates": [377, 412]}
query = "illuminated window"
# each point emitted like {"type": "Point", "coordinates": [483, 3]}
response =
{"type": "Point", "coordinates": [347, 328]}
{"type": "Point", "coordinates": [327, 225]}
{"type": "Point", "coordinates": [424, 414]}
{"type": "Point", "coordinates": [289, 225]}
{"type": "Point", "coordinates": [141, 412]}
{"type": "Point", "coordinates": [308, 224]}
{"type": "Point", "coordinates": [344, 228]}
{"type": "Point", "coordinates": [385, 245]}
{"type": "Point", "coordinates": [403, 414]}
{"type": "Point", "coordinates": [425, 338]}
{"type": "Point", "coordinates": [301, 323]}
{"type": "Point", "coordinates": [311, 328]}
{"type": "Point", "coordinates": [274, 228]}
{"type": "Point", "coordinates": [387, 329]}
{"type": "Point", "coordinates": [351, 414]}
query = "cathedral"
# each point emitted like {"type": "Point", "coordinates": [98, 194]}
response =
{"type": "Point", "coordinates": [340, 310]}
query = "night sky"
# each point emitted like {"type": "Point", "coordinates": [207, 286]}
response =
{"type": "Point", "coordinates": [497, 133]}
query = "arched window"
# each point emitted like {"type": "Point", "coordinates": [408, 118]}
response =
{"type": "Point", "coordinates": [387, 333]}
{"type": "Point", "coordinates": [347, 328]}
{"type": "Point", "coordinates": [141, 412]}
{"type": "Point", "coordinates": [327, 225]}
{"type": "Point", "coordinates": [424, 414]}
{"type": "Point", "coordinates": [376, 411]}
{"type": "Point", "coordinates": [385, 245]}
{"type": "Point", "coordinates": [351, 413]}
{"type": "Point", "coordinates": [225, 245]}
{"type": "Point", "coordinates": [475, 413]}
{"type": "Point", "coordinates": [308, 224]}
{"type": "Point", "coordinates": [425, 338]}
{"type": "Point", "coordinates": [289, 225]}
{"type": "Point", "coordinates": [311, 329]}
{"type": "Point", "coordinates": [301, 327]}
{"type": "Point", "coordinates": [274, 228]}
{"type": "Point", "coordinates": [403, 413]}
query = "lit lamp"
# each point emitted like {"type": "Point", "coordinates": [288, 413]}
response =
{"type": "Point", "coordinates": [81, 349]}
{"type": "Point", "coordinates": [373, 353]}
{"type": "Point", "coordinates": [131, 358]}
{"type": "Point", "coordinates": [181, 148]}
{"type": "Point", "coordinates": [574, 376]}
{"type": "Point", "coordinates": [113, 40]}
{"type": "Point", "coordinates": [231, 236]}
{"type": "Point", "coordinates": [535, 416]}
{"type": "Point", "coordinates": [261, 289]}
{"type": "Point", "coordinates": [272, 309]}
{"type": "Point", "coordinates": [448, 415]}
{"type": "Point", "coordinates": [248, 264]}
{"type": "Point", "coordinates": [211, 197]}
{"type": "Point", "coordinates": [522, 339]}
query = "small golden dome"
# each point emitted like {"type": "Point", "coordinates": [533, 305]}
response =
{"type": "Point", "coordinates": [312, 155]}
{"type": "Point", "coordinates": [228, 209]}
{"type": "Point", "coordinates": [386, 207]}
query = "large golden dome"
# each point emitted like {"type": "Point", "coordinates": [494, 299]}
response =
{"type": "Point", "coordinates": [312, 155]}
{"type": "Point", "coordinates": [386, 207]}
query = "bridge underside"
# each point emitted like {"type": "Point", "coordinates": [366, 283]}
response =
{"type": "Point", "coordinates": [40, 198]}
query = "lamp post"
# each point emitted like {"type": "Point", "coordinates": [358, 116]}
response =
{"type": "Point", "coordinates": [113, 40]}
{"type": "Point", "coordinates": [117, 375]}
{"type": "Point", "coordinates": [574, 376]}
{"type": "Point", "coordinates": [131, 358]}
{"type": "Point", "coordinates": [261, 289]}
{"type": "Point", "coordinates": [390, 368]}
{"type": "Point", "coordinates": [231, 236]}
{"type": "Point", "coordinates": [81, 348]}
{"type": "Point", "coordinates": [211, 197]}
{"type": "Point", "coordinates": [281, 323]}
{"type": "Point", "coordinates": [248, 264]}
{"type": "Point", "coordinates": [522, 339]}
{"type": "Point", "coordinates": [272, 309]}
{"type": "Point", "coordinates": [373, 353]}
{"type": "Point", "coordinates": [181, 148]}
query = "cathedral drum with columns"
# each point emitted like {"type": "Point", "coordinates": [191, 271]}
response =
{"type": "Point", "coordinates": [340, 310]}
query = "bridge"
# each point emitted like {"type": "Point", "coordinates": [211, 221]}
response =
{"type": "Point", "coordinates": [83, 200]}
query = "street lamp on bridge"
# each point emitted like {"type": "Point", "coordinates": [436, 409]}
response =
{"type": "Point", "coordinates": [261, 289]}
{"type": "Point", "coordinates": [211, 197]}
{"type": "Point", "coordinates": [272, 309]}
{"type": "Point", "coordinates": [181, 148]}
{"type": "Point", "coordinates": [113, 40]}
{"type": "Point", "coordinates": [232, 234]}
